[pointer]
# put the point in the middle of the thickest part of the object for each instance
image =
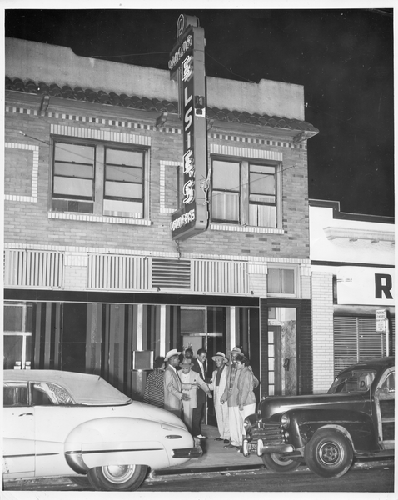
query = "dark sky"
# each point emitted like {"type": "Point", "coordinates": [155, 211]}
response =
{"type": "Point", "coordinates": [343, 58]}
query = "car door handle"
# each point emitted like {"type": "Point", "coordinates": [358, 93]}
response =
{"type": "Point", "coordinates": [24, 414]}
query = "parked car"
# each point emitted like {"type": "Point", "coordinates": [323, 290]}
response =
{"type": "Point", "coordinates": [355, 418]}
{"type": "Point", "coordinates": [59, 423]}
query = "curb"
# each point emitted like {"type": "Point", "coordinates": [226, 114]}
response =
{"type": "Point", "coordinates": [203, 470]}
{"type": "Point", "coordinates": [362, 464]}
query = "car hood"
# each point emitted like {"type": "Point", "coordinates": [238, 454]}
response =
{"type": "Point", "coordinates": [280, 404]}
{"type": "Point", "coordinates": [149, 412]}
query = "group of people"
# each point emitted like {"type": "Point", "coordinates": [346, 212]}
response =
{"type": "Point", "coordinates": [178, 384]}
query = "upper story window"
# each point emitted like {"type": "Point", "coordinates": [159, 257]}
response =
{"type": "Point", "coordinates": [246, 193]}
{"type": "Point", "coordinates": [97, 178]}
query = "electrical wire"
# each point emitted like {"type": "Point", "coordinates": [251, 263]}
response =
{"type": "Point", "coordinates": [175, 191]}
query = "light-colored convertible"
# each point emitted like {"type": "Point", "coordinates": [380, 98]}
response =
{"type": "Point", "coordinates": [63, 424]}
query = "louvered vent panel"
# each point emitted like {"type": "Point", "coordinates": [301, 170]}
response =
{"type": "Point", "coordinates": [33, 268]}
{"type": "Point", "coordinates": [371, 343]}
{"type": "Point", "coordinates": [171, 273]}
{"type": "Point", "coordinates": [118, 272]}
{"type": "Point", "coordinates": [345, 342]}
{"type": "Point", "coordinates": [220, 277]}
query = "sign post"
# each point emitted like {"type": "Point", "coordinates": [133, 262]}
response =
{"type": "Point", "coordinates": [187, 60]}
{"type": "Point", "coordinates": [382, 326]}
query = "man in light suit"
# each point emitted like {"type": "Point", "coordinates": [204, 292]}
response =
{"type": "Point", "coordinates": [218, 385]}
{"type": "Point", "coordinates": [173, 394]}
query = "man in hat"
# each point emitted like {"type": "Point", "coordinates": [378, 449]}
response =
{"type": "Point", "coordinates": [218, 385]}
{"type": "Point", "coordinates": [173, 395]}
{"type": "Point", "coordinates": [190, 381]}
{"type": "Point", "coordinates": [230, 396]}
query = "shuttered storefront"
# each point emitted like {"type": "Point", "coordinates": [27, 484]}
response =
{"type": "Point", "coordinates": [355, 339]}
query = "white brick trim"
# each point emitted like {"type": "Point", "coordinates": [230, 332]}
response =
{"type": "Point", "coordinates": [35, 169]}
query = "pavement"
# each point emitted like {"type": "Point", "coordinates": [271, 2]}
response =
{"type": "Point", "coordinates": [215, 457]}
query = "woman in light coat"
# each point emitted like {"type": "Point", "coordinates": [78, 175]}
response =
{"type": "Point", "coordinates": [246, 398]}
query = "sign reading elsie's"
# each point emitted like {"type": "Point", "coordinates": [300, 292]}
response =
{"type": "Point", "coordinates": [187, 58]}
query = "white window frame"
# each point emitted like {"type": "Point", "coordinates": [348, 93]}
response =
{"type": "Point", "coordinates": [99, 214]}
{"type": "Point", "coordinates": [296, 274]}
{"type": "Point", "coordinates": [244, 191]}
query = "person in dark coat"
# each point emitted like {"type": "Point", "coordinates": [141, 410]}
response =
{"type": "Point", "coordinates": [199, 366]}
{"type": "Point", "coordinates": [154, 390]}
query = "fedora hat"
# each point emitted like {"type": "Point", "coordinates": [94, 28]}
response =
{"type": "Point", "coordinates": [172, 353]}
{"type": "Point", "coordinates": [219, 355]}
{"type": "Point", "coordinates": [236, 349]}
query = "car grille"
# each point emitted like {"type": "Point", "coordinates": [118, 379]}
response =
{"type": "Point", "coordinates": [271, 434]}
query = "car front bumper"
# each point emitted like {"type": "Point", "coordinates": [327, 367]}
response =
{"type": "Point", "coordinates": [259, 447]}
{"type": "Point", "coordinates": [187, 453]}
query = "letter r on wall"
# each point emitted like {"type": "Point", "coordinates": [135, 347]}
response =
{"type": "Point", "coordinates": [383, 283]}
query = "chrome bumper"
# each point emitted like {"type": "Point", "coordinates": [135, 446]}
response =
{"type": "Point", "coordinates": [259, 448]}
{"type": "Point", "coordinates": [187, 453]}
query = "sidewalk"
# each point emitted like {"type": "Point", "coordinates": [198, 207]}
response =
{"type": "Point", "coordinates": [215, 457]}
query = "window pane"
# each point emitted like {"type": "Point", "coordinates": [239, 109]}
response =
{"type": "Point", "coordinates": [273, 281]}
{"type": "Point", "coordinates": [119, 157]}
{"type": "Point", "coordinates": [225, 206]}
{"type": "Point", "coordinates": [280, 281]}
{"type": "Point", "coordinates": [73, 170]}
{"type": "Point", "coordinates": [225, 175]}
{"type": "Point", "coordinates": [124, 174]}
{"type": "Point", "coordinates": [12, 319]}
{"type": "Point", "coordinates": [262, 183]}
{"type": "Point", "coordinates": [288, 281]}
{"type": "Point", "coordinates": [192, 321]}
{"type": "Point", "coordinates": [262, 215]}
{"type": "Point", "coordinates": [78, 188]}
{"type": "Point", "coordinates": [123, 190]}
{"type": "Point", "coordinates": [123, 207]}
{"type": "Point", "coordinates": [74, 153]}
{"type": "Point", "coordinates": [12, 350]}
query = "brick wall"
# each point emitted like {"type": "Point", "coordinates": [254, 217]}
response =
{"type": "Point", "coordinates": [322, 327]}
{"type": "Point", "coordinates": [35, 227]}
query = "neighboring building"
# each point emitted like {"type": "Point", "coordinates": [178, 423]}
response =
{"type": "Point", "coordinates": [353, 273]}
{"type": "Point", "coordinates": [93, 279]}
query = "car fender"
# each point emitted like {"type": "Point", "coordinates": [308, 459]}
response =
{"type": "Point", "coordinates": [357, 426]}
{"type": "Point", "coordinates": [121, 440]}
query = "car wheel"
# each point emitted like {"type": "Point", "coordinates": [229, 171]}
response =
{"type": "Point", "coordinates": [117, 477]}
{"type": "Point", "coordinates": [278, 463]}
{"type": "Point", "coordinates": [329, 453]}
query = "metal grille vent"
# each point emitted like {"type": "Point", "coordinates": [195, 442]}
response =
{"type": "Point", "coordinates": [170, 273]}
{"type": "Point", "coordinates": [30, 268]}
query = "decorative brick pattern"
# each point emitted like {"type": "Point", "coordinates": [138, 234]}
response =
{"type": "Point", "coordinates": [100, 135]}
{"type": "Point", "coordinates": [35, 167]}
{"type": "Point", "coordinates": [164, 168]}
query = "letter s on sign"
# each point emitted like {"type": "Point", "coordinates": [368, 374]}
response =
{"type": "Point", "coordinates": [188, 118]}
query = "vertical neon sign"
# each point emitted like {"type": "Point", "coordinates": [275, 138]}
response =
{"type": "Point", "coordinates": [187, 59]}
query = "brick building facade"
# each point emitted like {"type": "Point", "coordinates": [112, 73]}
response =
{"type": "Point", "coordinates": [93, 279]}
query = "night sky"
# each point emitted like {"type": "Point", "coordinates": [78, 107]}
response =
{"type": "Point", "coordinates": [343, 58]}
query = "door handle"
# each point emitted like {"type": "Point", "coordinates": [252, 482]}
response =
{"type": "Point", "coordinates": [25, 414]}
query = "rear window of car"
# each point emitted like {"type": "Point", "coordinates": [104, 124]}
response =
{"type": "Point", "coordinates": [15, 394]}
{"type": "Point", "coordinates": [353, 381]}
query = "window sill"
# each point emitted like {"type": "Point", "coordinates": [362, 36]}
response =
{"type": "Point", "coordinates": [98, 218]}
{"type": "Point", "coordinates": [245, 229]}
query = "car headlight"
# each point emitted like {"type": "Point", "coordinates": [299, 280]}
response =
{"type": "Point", "coordinates": [285, 421]}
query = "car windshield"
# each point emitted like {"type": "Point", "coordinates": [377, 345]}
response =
{"type": "Point", "coordinates": [353, 381]}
